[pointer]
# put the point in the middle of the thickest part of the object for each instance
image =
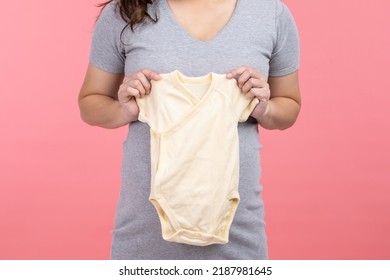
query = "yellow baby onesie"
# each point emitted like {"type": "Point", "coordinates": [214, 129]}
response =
{"type": "Point", "coordinates": [195, 154]}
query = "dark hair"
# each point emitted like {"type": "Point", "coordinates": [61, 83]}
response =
{"type": "Point", "coordinates": [132, 11]}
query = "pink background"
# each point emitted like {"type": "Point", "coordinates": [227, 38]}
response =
{"type": "Point", "coordinates": [326, 180]}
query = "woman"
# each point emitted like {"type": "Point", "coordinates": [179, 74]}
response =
{"type": "Point", "coordinates": [253, 41]}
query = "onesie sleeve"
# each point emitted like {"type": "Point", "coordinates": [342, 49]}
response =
{"type": "Point", "coordinates": [250, 104]}
{"type": "Point", "coordinates": [107, 52]}
{"type": "Point", "coordinates": [242, 105]}
{"type": "Point", "coordinates": [143, 112]}
{"type": "Point", "coordinates": [285, 56]}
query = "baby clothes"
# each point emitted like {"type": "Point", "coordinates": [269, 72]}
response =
{"type": "Point", "coordinates": [195, 154]}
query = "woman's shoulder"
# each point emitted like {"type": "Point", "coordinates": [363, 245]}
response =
{"type": "Point", "coordinates": [262, 7]}
{"type": "Point", "coordinates": [266, 5]}
{"type": "Point", "coordinates": [266, 10]}
{"type": "Point", "coordinates": [110, 14]}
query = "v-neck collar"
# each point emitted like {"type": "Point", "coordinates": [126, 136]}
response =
{"type": "Point", "coordinates": [173, 18]}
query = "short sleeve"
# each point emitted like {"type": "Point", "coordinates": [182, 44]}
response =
{"type": "Point", "coordinates": [286, 54]}
{"type": "Point", "coordinates": [242, 105]}
{"type": "Point", "coordinates": [107, 52]}
{"type": "Point", "coordinates": [143, 112]}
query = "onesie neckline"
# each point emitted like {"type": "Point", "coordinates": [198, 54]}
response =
{"type": "Point", "coordinates": [174, 78]}
{"type": "Point", "coordinates": [178, 78]}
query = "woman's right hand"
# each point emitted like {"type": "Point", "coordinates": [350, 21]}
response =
{"type": "Point", "coordinates": [135, 85]}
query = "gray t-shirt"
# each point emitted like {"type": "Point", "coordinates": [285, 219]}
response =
{"type": "Point", "coordinates": [261, 34]}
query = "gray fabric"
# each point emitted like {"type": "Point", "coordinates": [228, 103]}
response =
{"type": "Point", "coordinates": [261, 34]}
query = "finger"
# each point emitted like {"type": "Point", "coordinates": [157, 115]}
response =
{"type": "Point", "coordinates": [263, 94]}
{"type": "Point", "coordinates": [253, 83]}
{"type": "Point", "coordinates": [124, 96]}
{"type": "Point", "coordinates": [244, 77]}
{"type": "Point", "coordinates": [140, 82]}
{"type": "Point", "coordinates": [252, 93]}
{"type": "Point", "coordinates": [236, 72]}
{"type": "Point", "coordinates": [151, 75]}
{"type": "Point", "coordinates": [133, 92]}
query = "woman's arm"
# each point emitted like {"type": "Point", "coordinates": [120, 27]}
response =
{"type": "Point", "coordinates": [98, 99]}
{"type": "Point", "coordinates": [284, 104]}
{"type": "Point", "coordinates": [108, 100]}
{"type": "Point", "coordinates": [280, 98]}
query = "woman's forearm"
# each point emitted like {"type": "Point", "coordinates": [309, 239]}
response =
{"type": "Point", "coordinates": [104, 111]}
{"type": "Point", "coordinates": [281, 113]}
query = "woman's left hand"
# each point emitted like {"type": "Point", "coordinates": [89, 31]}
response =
{"type": "Point", "coordinates": [254, 85]}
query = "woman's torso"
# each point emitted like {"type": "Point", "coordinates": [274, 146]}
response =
{"type": "Point", "coordinates": [247, 39]}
